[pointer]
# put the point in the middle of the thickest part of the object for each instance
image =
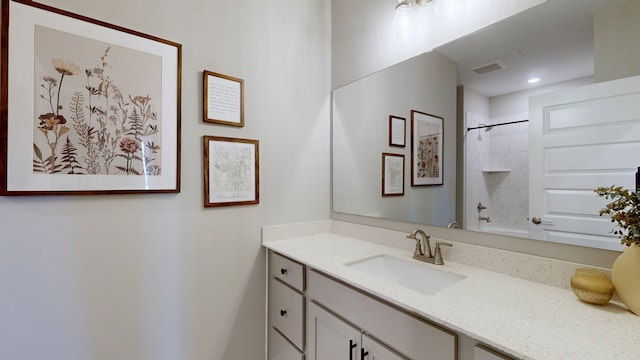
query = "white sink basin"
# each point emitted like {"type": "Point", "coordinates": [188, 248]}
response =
{"type": "Point", "coordinates": [412, 275]}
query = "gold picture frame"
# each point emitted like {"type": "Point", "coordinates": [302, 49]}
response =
{"type": "Point", "coordinates": [223, 101]}
{"type": "Point", "coordinates": [231, 171]}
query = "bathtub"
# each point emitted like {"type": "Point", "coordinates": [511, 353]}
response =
{"type": "Point", "coordinates": [506, 231]}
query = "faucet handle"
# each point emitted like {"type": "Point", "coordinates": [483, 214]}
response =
{"type": "Point", "coordinates": [418, 250]}
{"type": "Point", "coordinates": [438, 253]}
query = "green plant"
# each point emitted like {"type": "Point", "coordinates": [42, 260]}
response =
{"type": "Point", "coordinates": [624, 210]}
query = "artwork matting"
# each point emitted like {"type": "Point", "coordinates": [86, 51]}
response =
{"type": "Point", "coordinates": [427, 135]}
{"type": "Point", "coordinates": [231, 171]}
{"type": "Point", "coordinates": [392, 174]}
{"type": "Point", "coordinates": [80, 110]}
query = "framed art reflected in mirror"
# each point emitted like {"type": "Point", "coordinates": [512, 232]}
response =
{"type": "Point", "coordinates": [397, 131]}
{"type": "Point", "coordinates": [426, 149]}
{"type": "Point", "coordinates": [392, 174]}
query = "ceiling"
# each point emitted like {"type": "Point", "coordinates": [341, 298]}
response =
{"type": "Point", "coordinates": [552, 41]}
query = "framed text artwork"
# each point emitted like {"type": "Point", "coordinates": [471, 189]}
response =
{"type": "Point", "coordinates": [397, 131]}
{"type": "Point", "coordinates": [392, 174]}
{"type": "Point", "coordinates": [223, 99]}
{"type": "Point", "coordinates": [426, 149]}
{"type": "Point", "coordinates": [231, 171]}
{"type": "Point", "coordinates": [86, 107]}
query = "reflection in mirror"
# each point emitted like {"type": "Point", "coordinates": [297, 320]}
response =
{"type": "Point", "coordinates": [553, 42]}
{"type": "Point", "coordinates": [426, 83]}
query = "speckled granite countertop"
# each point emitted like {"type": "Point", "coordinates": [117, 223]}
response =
{"type": "Point", "coordinates": [522, 318]}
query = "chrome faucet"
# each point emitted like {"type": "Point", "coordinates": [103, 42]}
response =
{"type": "Point", "coordinates": [423, 243]}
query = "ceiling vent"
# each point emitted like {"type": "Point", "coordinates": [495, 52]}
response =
{"type": "Point", "coordinates": [487, 68]}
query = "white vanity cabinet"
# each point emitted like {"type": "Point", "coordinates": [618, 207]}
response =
{"type": "Point", "coordinates": [330, 338]}
{"type": "Point", "coordinates": [313, 316]}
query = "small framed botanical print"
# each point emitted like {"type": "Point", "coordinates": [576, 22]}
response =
{"type": "Point", "coordinates": [231, 171]}
{"type": "Point", "coordinates": [392, 174]}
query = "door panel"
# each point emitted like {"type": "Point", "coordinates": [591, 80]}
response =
{"type": "Point", "coordinates": [376, 351]}
{"type": "Point", "coordinates": [580, 139]}
{"type": "Point", "coordinates": [330, 338]}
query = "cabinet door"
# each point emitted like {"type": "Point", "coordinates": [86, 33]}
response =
{"type": "Point", "coordinates": [482, 353]}
{"type": "Point", "coordinates": [373, 350]}
{"type": "Point", "coordinates": [330, 338]}
{"type": "Point", "coordinates": [410, 336]}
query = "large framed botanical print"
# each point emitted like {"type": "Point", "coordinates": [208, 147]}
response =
{"type": "Point", "coordinates": [87, 107]}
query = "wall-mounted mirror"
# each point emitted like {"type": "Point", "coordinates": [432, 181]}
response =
{"type": "Point", "coordinates": [361, 131]}
{"type": "Point", "coordinates": [479, 86]}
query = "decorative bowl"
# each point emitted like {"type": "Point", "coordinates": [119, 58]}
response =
{"type": "Point", "coordinates": [592, 286]}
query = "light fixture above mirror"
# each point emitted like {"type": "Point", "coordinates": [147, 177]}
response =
{"type": "Point", "coordinates": [403, 7]}
{"type": "Point", "coordinates": [446, 8]}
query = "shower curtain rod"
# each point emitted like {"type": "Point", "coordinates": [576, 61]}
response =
{"type": "Point", "coordinates": [494, 125]}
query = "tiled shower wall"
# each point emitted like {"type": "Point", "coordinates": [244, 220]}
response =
{"type": "Point", "coordinates": [477, 148]}
{"type": "Point", "coordinates": [497, 173]}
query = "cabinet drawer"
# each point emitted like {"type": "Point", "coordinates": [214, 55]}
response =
{"type": "Point", "coordinates": [287, 270]}
{"type": "Point", "coordinates": [281, 349]}
{"type": "Point", "coordinates": [405, 333]}
{"type": "Point", "coordinates": [286, 311]}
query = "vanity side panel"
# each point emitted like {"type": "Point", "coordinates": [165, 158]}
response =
{"type": "Point", "coordinates": [285, 308]}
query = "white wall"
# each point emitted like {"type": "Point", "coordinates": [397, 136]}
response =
{"type": "Point", "coordinates": [157, 276]}
{"type": "Point", "coordinates": [518, 102]}
{"type": "Point", "coordinates": [365, 37]}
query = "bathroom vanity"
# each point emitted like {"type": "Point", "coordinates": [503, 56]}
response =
{"type": "Point", "coordinates": [322, 306]}
{"type": "Point", "coordinates": [338, 323]}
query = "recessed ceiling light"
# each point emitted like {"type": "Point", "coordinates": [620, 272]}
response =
{"type": "Point", "coordinates": [533, 80]}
